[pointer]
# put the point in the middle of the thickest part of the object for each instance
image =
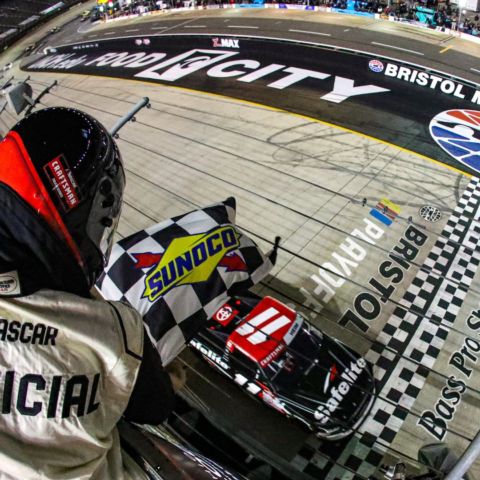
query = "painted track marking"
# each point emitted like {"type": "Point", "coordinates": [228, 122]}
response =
{"type": "Point", "coordinates": [397, 48]}
{"type": "Point", "coordinates": [180, 24]}
{"type": "Point", "coordinates": [300, 42]}
{"type": "Point", "coordinates": [241, 26]}
{"type": "Point", "coordinates": [443, 50]}
{"type": "Point", "coordinates": [309, 32]}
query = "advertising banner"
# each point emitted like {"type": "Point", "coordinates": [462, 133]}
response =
{"type": "Point", "coordinates": [249, 5]}
{"type": "Point", "coordinates": [296, 7]}
{"type": "Point", "coordinates": [382, 98]}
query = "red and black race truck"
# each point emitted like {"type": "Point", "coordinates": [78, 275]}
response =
{"type": "Point", "coordinates": [277, 356]}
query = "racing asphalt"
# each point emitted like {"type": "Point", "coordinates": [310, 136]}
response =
{"type": "Point", "coordinates": [306, 181]}
{"type": "Point", "coordinates": [430, 48]}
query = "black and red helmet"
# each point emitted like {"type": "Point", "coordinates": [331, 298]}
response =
{"type": "Point", "coordinates": [66, 166]}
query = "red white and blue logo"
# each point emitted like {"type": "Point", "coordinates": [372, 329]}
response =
{"type": "Point", "coordinates": [458, 133]}
{"type": "Point", "coordinates": [375, 66]}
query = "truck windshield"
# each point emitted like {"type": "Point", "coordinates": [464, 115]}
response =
{"type": "Point", "coordinates": [286, 371]}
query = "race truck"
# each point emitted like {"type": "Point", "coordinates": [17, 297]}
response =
{"type": "Point", "coordinates": [278, 357]}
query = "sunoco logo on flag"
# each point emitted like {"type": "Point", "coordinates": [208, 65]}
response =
{"type": "Point", "coordinates": [189, 260]}
{"type": "Point", "coordinates": [179, 272]}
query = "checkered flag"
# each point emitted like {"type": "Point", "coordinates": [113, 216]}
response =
{"type": "Point", "coordinates": [179, 272]}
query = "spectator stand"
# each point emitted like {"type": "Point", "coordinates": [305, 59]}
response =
{"type": "Point", "coordinates": [17, 17]}
{"type": "Point", "coordinates": [442, 16]}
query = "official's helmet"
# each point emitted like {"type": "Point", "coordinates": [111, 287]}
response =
{"type": "Point", "coordinates": [66, 166]}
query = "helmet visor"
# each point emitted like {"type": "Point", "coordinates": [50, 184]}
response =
{"type": "Point", "coordinates": [106, 206]}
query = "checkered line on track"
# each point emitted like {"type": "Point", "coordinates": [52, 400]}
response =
{"type": "Point", "coordinates": [437, 293]}
{"type": "Point", "coordinates": [407, 347]}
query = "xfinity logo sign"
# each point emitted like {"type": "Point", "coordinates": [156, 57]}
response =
{"type": "Point", "coordinates": [216, 64]}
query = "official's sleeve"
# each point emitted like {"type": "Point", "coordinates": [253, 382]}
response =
{"type": "Point", "coordinates": [152, 399]}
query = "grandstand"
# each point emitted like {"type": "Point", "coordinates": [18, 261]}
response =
{"type": "Point", "coordinates": [18, 16]}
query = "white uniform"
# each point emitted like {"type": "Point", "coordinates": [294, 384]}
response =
{"type": "Point", "coordinates": [68, 366]}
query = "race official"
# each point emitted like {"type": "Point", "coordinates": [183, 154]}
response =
{"type": "Point", "coordinates": [70, 365]}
